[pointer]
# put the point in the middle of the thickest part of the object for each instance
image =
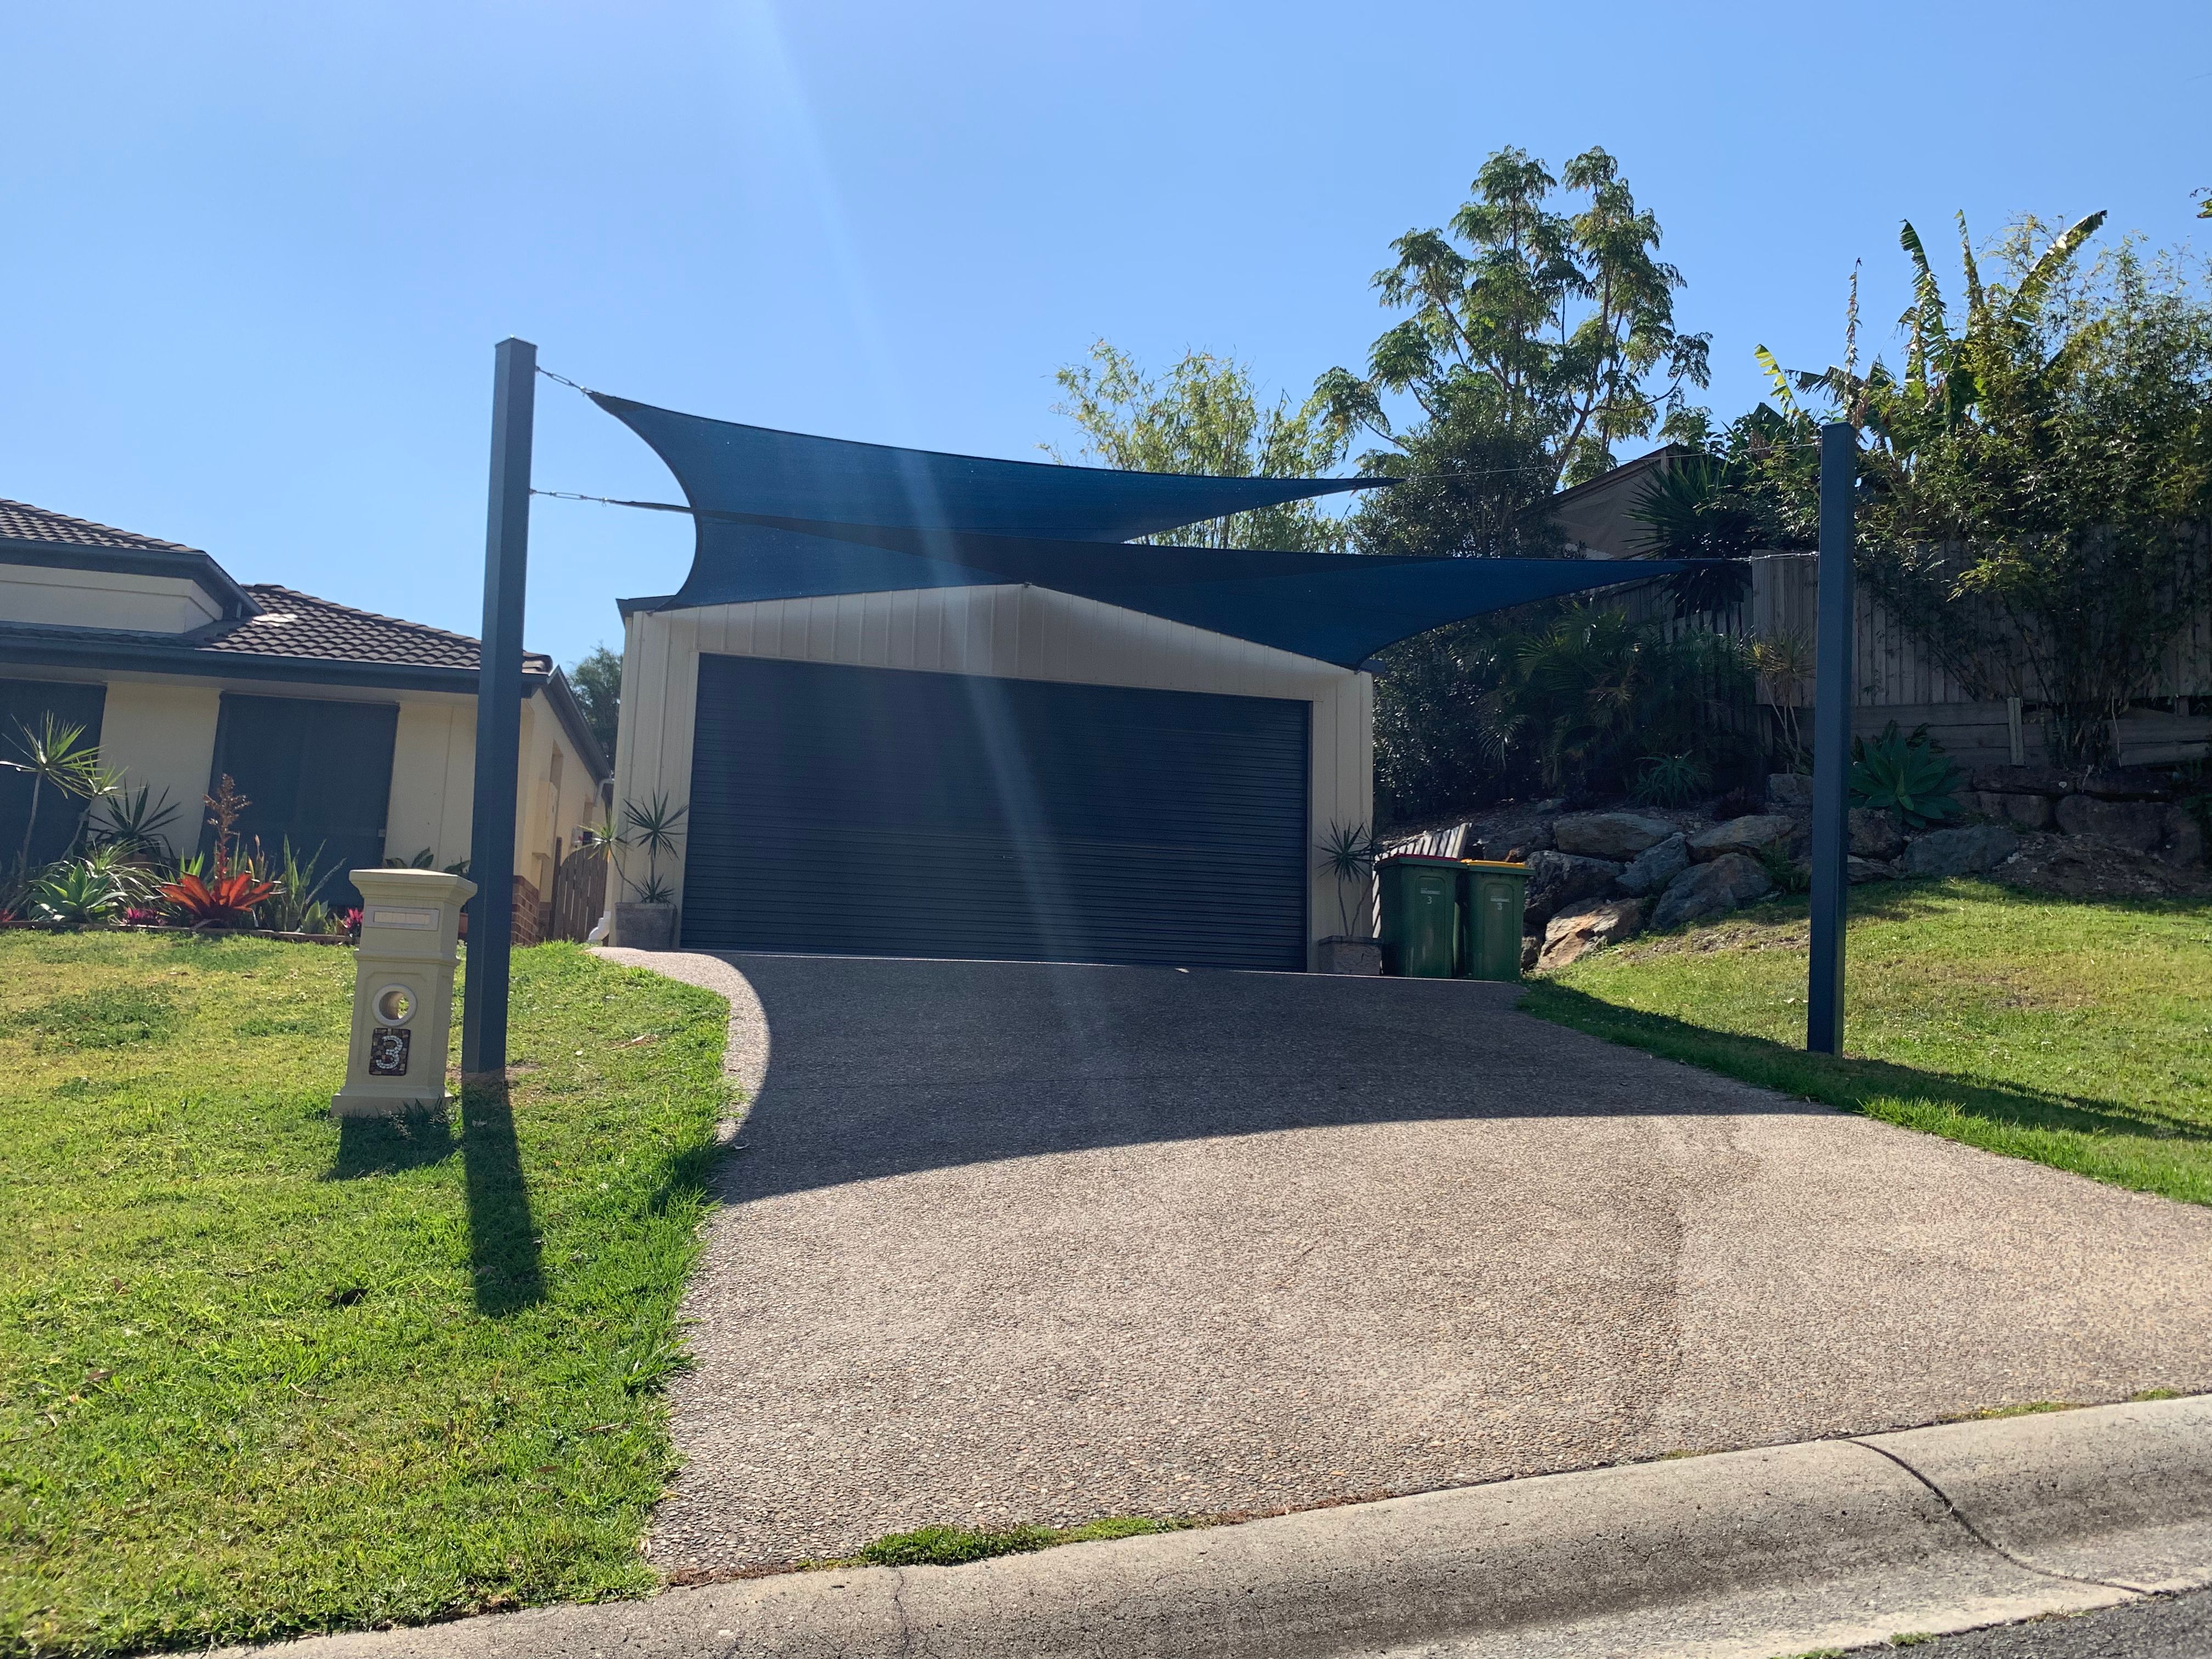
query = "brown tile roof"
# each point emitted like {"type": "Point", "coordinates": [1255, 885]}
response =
{"type": "Point", "coordinates": [21, 521]}
{"type": "Point", "coordinates": [296, 624]}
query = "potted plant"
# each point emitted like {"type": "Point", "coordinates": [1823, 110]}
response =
{"type": "Point", "coordinates": [1349, 855]}
{"type": "Point", "coordinates": [647, 919]}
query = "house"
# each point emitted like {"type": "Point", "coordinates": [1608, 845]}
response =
{"type": "Point", "coordinates": [347, 731]}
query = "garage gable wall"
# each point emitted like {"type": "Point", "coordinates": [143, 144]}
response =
{"type": "Point", "coordinates": [1013, 631]}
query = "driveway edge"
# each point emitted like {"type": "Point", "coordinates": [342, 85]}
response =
{"type": "Point", "coordinates": [1750, 1553]}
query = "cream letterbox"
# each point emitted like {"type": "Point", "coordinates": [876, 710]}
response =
{"type": "Point", "coordinates": [403, 991]}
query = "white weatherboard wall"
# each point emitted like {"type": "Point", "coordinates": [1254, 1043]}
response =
{"type": "Point", "coordinates": [1013, 632]}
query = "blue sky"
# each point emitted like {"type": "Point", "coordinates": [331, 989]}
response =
{"type": "Point", "coordinates": [256, 256]}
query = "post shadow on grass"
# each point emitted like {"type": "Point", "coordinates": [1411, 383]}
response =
{"type": "Point", "coordinates": [387, 1145]}
{"type": "Point", "coordinates": [1850, 1082]}
{"type": "Point", "coordinates": [503, 1259]}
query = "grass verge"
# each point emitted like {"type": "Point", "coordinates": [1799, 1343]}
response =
{"type": "Point", "coordinates": [263, 1373]}
{"type": "Point", "coordinates": [2072, 1032]}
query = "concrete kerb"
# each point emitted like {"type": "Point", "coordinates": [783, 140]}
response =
{"type": "Point", "coordinates": [1749, 1553]}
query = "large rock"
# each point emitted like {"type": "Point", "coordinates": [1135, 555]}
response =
{"type": "Point", "coordinates": [2184, 836]}
{"type": "Point", "coordinates": [1961, 852]}
{"type": "Point", "coordinates": [2023, 780]}
{"type": "Point", "coordinates": [1876, 835]}
{"type": "Point", "coordinates": [1559, 879]}
{"type": "Point", "coordinates": [1870, 869]}
{"type": "Point", "coordinates": [1608, 834]}
{"type": "Point", "coordinates": [2128, 783]}
{"type": "Point", "coordinates": [1751, 835]}
{"type": "Point", "coordinates": [2139, 825]}
{"type": "Point", "coordinates": [1708, 890]}
{"type": "Point", "coordinates": [1655, 866]}
{"type": "Point", "coordinates": [1575, 932]}
{"type": "Point", "coordinates": [1789, 792]}
{"type": "Point", "coordinates": [2021, 812]}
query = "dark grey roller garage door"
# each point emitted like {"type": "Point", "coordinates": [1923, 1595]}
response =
{"type": "Point", "coordinates": [876, 811]}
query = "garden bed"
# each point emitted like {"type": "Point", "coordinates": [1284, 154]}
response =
{"type": "Point", "coordinates": [263, 1373]}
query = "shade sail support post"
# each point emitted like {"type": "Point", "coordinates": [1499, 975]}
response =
{"type": "Point", "coordinates": [1831, 744]}
{"type": "Point", "coordinates": [499, 714]}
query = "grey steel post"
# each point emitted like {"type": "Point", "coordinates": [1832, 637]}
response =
{"type": "Point", "coordinates": [499, 714]}
{"type": "Point", "coordinates": [1832, 744]}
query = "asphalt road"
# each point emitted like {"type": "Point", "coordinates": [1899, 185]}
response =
{"type": "Point", "coordinates": [1011, 1243]}
{"type": "Point", "coordinates": [2166, 1627]}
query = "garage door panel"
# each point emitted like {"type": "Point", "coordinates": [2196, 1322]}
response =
{"type": "Point", "coordinates": [890, 813]}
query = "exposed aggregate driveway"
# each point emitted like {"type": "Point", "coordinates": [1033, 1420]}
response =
{"type": "Point", "coordinates": [1016, 1243]}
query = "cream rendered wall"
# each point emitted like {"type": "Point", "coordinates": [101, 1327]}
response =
{"type": "Point", "coordinates": [1013, 631]}
{"type": "Point", "coordinates": [434, 757]}
{"type": "Point", "coordinates": [162, 733]}
{"type": "Point", "coordinates": [102, 598]}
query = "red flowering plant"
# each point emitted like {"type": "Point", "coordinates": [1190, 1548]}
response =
{"type": "Point", "coordinates": [226, 898]}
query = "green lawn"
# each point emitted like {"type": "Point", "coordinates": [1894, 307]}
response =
{"type": "Point", "coordinates": [261, 1373]}
{"type": "Point", "coordinates": [2077, 1033]}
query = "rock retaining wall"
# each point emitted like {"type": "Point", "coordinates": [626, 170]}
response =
{"type": "Point", "coordinates": [1597, 877]}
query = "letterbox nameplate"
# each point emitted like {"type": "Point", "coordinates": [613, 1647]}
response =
{"type": "Point", "coordinates": [385, 915]}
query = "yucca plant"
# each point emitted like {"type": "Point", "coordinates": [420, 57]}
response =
{"type": "Point", "coordinates": [133, 825]}
{"type": "Point", "coordinates": [1348, 852]}
{"type": "Point", "coordinates": [656, 827]}
{"type": "Point", "coordinates": [1909, 776]}
{"type": "Point", "coordinates": [56, 758]}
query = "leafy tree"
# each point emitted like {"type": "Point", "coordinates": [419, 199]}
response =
{"type": "Point", "coordinates": [596, 681]}
{"type": "Point", "coordinates": [2037, 483]}
{"type": "Point", "coordinates": [1592, 702]}
{"type": "Point", "coordinates": [1536, 341]}
{"type": "Point", "coordinates": [1206, 416]}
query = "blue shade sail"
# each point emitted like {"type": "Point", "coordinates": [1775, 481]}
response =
{"type": "Point", "coordinates": [762, 473]}
{"type": "Point", "coordinates": [780, 515]}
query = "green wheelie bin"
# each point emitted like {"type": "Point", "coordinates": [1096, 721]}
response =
{"type": "Point", "coordinates": [1422, 929]}
{"type": "Point", "coordinates": [1496, 894]}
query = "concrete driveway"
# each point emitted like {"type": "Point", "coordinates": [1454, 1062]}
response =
{"type": "Point", "coordinates": [1019, 1242]}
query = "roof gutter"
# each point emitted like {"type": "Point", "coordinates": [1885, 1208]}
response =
{"type": "Point", "coordinates": [197, 567]}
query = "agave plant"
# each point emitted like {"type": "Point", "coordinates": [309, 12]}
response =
{"type": "Point", "coordinates": [1909, 776]}
{"type": "Point", "coordinates": [1673, 780]}
{"type": "Point", "coordinates": [222, 901]}
{"type": "Point", "coordinates": [78, 891]}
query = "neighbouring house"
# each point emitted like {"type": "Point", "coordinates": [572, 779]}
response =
{"type": "Point", "coordinates": [1896, 676]}
{"type": "Point", "coordinates": [351, 733]}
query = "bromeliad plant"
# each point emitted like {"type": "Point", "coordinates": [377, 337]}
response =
{"type": "Point", "coordinates": [1909, 776]}
{"type": "Point", "coordinates": [224, 900]}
